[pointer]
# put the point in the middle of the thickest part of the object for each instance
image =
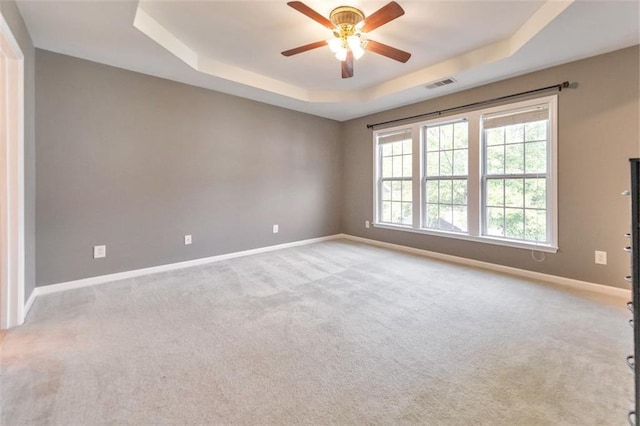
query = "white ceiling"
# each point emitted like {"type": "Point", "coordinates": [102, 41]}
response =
{"type": "Point", "coordinates": [234, 46]}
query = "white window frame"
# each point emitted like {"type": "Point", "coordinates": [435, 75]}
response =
{"type": "Point", "coordinates": [379, 179]}
{"type": "Point", "coordinates": [474, 180]}
{"type": "Point", "coordinates": [423, 170]}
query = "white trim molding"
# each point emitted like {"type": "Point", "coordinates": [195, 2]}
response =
{"type": "Point", "coordinates": [481, 56]}
{"type": "Point", "coordinates": [12, 252]}
{"type": "Point", "coordinates": [539, 276]}
{"type": "Point", "coordinates": [102, 279]}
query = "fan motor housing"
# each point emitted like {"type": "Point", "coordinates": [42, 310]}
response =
{"type": "Point", "coordinates": [346, 16]}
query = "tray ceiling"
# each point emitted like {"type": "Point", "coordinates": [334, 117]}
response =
{"type": "Point", "coordinates": [234, 46]}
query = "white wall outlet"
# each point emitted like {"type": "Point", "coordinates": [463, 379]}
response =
{"type": "Point", "coordinates": [99, 252]}
{"type": "Point", "coordinates": [367, 224]}
{"type": "Point", "coordinates": [601, 257]}
{"type": "Point", "coordinates": [275, 229]}
{"type": "Point", "coordinates": [187, 240]}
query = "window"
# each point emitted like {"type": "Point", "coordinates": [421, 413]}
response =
{"type": "Point", "coordinates": [395, 178]}
{"type": "Point", "coordinates": [446, 164]}
{"type": "Point", "coordinates": [515, 174]}
{"type": "Point", "coordinates": [487, 175]}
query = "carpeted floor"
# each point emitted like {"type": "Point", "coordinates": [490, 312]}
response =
{"type": "Point", "coordinates": [329, 333]}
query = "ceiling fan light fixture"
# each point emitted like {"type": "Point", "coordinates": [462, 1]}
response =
{"type": "Point", "coordinates": [346, 16]}
{"type": "Point", "coordinates": [355, 45]}
{"type": "Point", "coordinates": [335, 44]}
{"type": "Point", "coordinates": [350, 30]}
{"type": "Point", "coordinates": [341, 54]}
{"type": "Point", "coordinates": [357, 53]}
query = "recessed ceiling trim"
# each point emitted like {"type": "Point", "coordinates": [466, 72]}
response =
{"type": "Point", "coordinates": [502, 49]}
{"type": "Point", "coordinates": [478, 57]}
{"type": "Point", "coordinates": [152, 29]}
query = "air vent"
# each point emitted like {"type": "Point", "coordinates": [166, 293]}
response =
{"type": "Point", "coordinates": [441, 83]}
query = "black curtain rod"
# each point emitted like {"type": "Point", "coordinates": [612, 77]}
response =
{"type": "Point", "coordinates": [558, 87]}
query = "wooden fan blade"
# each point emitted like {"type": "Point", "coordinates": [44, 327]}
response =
{"type": "Point", "coordinates": [347, 66]}
{"type": "Point", "coordinates": [383, 15]}
{"type": "Point", "coordinates": [304, 48]}
{"type": "Point", "coordinates": [306, 10]}
{"type": "Point", "coordinates": [388, 51]}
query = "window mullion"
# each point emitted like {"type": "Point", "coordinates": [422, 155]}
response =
{"type": "Point", "coordinates": [474, 183]}
{"type": "Point", "coordinates": [417, 173]}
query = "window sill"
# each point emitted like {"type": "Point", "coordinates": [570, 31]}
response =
{"type": "Point", "coordinates": [487, 240]}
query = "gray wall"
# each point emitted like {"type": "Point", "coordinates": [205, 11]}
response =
{"type": "Point", "coordinates": [136, 162]}
{"type": "Point", "coordinates": [598, 133]}
{"type": "Point", "coordinates": [19, 30]}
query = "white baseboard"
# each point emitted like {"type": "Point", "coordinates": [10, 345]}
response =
{"type": "Point", "coordinates": [85, 282]}
{"type": "Point", "coordinates": [566, 282]}
{"type": "Point", "coordinates": [29, 304]}
{"type": "Point", "coordinates": [554, 279]}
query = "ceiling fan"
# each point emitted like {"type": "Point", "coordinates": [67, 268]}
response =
{"type": "Point", "coordinates": [350, 30]}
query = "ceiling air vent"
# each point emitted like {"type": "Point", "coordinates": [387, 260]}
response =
{"type": "Point", "coordinates": [441, 83]}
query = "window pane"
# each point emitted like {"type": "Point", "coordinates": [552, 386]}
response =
{"type": "Point", "coordinates": [514, 159]}
{"type": "Point", "coordinates": [397, 148]}
{"type": "Point", "coordinates": [432, 216]}
{"type": "Point", "coordinates": [536, 131]}
{"type": "Point", "coordinates": [495, 160]}
{"type": "Point", "coordinates": [495, 136]}
{"type": "Point", "coordinates": [406, 166]}
{"type": "Point", "coordinates": [446, 136]}
{"type": "Point", "coordinates": [514, 223]}
{"type": "Point", "coordinates": [446, 163]}
{"type": "Point", "coordinates": [407, 214]}
{"type": "Point", "coordinates": [396, 191]}
{"type": "Point", "coordinates": [407, 191]}
{"type": "Point", "coordinates": [385, 192]}
{"type": "Point", "coordinates": [536, 157]}
{"type": "Point", "coordinates": [387, 170]}
{"type": "Point", "coordinates": [445, 221]}
{"type": "Point", "coordinates": [535, 225]}
{"type": "Point", "coordinates": [460, 160]}
{"type": "Point", "coordinates": [406, 147]}
{"type": "Point", "coordinates": [495, 221]}
{"type": "Point", "coordinates": [460, 192]}
{"type": "Point", "coordinates": [432, 191]}
{"type": "Point", "coordinates": [433, 139]}
{"type": "Point", "coordinates": [397, 166]}
{"type": "Point", "coordinates": [535, 193]}
{"type": "Point", "coordinates": [459, 219]}
{"type": "Point", "coordinates": [495, 192]}
{"type": "Point", "coordinates": [445, 191]}
{"type": "Point", "coordinates": [514, 193]}
{"type": "Point", "coordinates": [514, 133]}
{"type": "Point", "coordinates": [386, 150]}
{"type": "Point", "coordinates": [396, 212]}
{"type": "Point", "coordinates": [461, 135]}
{"type": "Point", "coordinates": [386, 212]}
{"type": "Point", "coordinates": [433, 164]}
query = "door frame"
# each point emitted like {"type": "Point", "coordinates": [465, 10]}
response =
{"type": "Point", "coordinates": [12, 239]}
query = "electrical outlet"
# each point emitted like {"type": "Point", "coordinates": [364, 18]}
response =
{"type": "Point", "coordinates": [99, 252]}
{"type": "Point", "coordinates": [367, 224]}
{"type": "Point", "coordinates": [601, 257]}
{"type": "Point", "coordinates": [275, 229]}
{"type": "Point", "coordinates": [187, 240]}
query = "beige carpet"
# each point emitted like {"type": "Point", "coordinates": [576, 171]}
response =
{"type": "Point", "coordinates": [330, 333]}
